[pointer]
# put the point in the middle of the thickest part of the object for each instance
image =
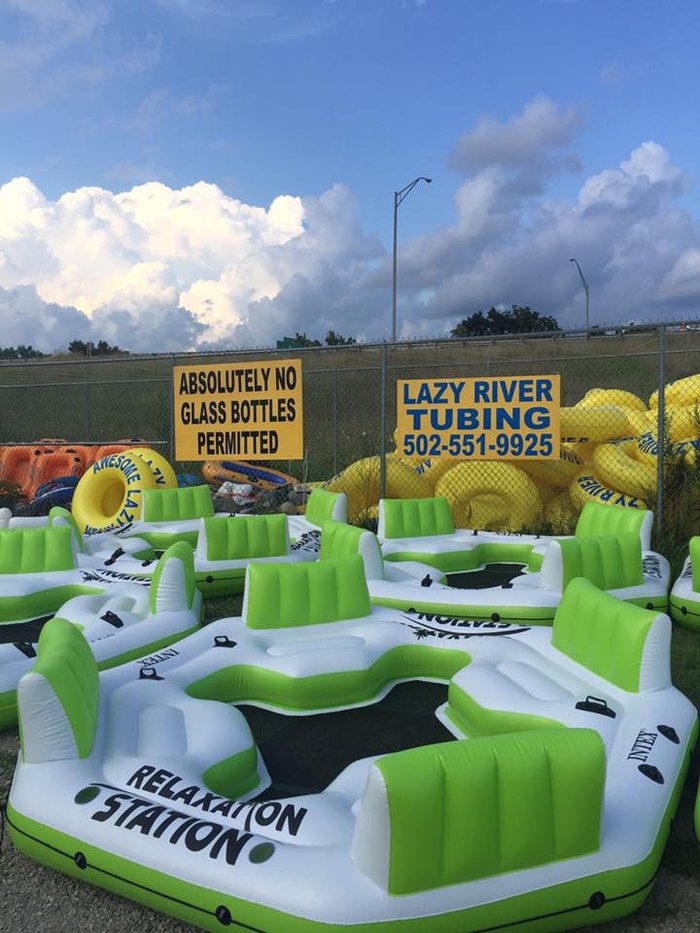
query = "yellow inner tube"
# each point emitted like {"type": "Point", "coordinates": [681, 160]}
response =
{"type": "Point", "coordinates": [588, 488]}
{"type": "Point", "coordinates": [360, 483]}
{"type": "Point", "coordinates": [618, 397]}
{"type": "Point", "coordinates": [110, 493]}
{"type": "Point", "coordinates": [163, 473]}
{"type": "Point", "coordinates": [490, 496]}
{"type": "Point", "coordinates": [557, 473]}
{"type": "Point", "coordinates": [681, 392]}
{"type": "Point", "coordinates": [594, 423]}
{"type": "Point", "coordinates": [616, 465]}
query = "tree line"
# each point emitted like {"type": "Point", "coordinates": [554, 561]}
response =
{"type": "Point", "coordinates": [520, 319]}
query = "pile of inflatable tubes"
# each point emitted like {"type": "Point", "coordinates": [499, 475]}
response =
{"type": "Point", "coordinates": [608, 454]}
{"type": "Point", "coordinates": [31, 466]}
{"type": "Point", "coordinates": [147, 780]}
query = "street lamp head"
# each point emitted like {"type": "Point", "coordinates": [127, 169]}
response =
{"type": "Point", "coordinates": [427, 179]}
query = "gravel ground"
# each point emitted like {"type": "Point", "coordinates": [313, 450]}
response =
{"type": "Point", "coordinates": [34, 899]}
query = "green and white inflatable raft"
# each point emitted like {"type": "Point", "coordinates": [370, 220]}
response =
{"type": "Point", "coordinates": [430, 571]}
{"type": "Point", "coordinates": [549, 811]}
{"type": "Point", "coordinates": [120, 620]}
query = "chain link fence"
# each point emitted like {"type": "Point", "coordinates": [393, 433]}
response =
{"type": "Point", "coordinates": [630, 421]}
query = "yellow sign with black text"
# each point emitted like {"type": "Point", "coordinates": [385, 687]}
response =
{"type": "Point", "coordinates": [498, 418]}
{"type": "Point", "coordinates": [239, 411]}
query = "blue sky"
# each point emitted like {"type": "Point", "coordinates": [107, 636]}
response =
{"type": "Point", "coordinates": [219, 172]}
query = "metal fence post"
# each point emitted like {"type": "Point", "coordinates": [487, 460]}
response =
{"type": "Point", "coordinates": [382, 426]}
{"type": "Point", "coordinates": [88, 420]}
{"type": "Point", "coordinates": [660, 432]}
{"type": "Point", "coordinates": [335, 421]}
{"type": "Point", "coordinates": [172, 408]}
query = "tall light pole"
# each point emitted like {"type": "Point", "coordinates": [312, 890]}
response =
{"type": "Point", "coordinates": [400, 196]}
{"type": "Point", "coordinates": [585, 288]}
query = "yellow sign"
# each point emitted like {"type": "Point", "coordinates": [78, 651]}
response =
{"type": "Point", "coordinates": [498, 418]}
{"type": "Point", "coordinates": [239, 411]}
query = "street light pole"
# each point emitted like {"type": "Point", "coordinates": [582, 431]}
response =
{"type": "Point", "coordinates": [585, 287]}
{"type": "Point", "coordinates": [399, 196]}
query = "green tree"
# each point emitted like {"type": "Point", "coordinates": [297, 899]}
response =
{"type": "Point", "coordinates": [101, 348]}
{"type": "Point", "coordinates": [302, 340]}
{"type": "Point", "coordinates": [521, 319]}
{"type": "Point", "coordinates": [337, 340]}
{"type": "Point", "coordinates": [20, 352]}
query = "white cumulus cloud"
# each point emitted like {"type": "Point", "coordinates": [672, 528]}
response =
{"type": "Point", "coordinates": [202, 266]}
{"type": "Point", "coordinates": [164, 268]}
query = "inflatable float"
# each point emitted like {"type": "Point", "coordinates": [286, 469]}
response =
{"type": "Point", "coordinates": [90, 551]}
{"type": "Point", "coordinates": [423, 530]}
{"type": "Point", "coordinates": [554, 814]}
{"type": "Point", "coordinates": [684, 600]}
{"type": "Point", "coordinates": [119, 622]}
{"type": "Point", "coordinates": [31, 465]}
{"type": "Point", "coordinates": [170, 515]}
{"type": "Point", "coordinates": [110, 493]}
{"type": "Point", "coordinates": [615, 564]}
{"type": "Point", "coordinates": [40, 568]}
{"type": "Point", "coordinates": [222, 471]}
{"type": "Point", "coordinates": [321, 506]}
{"type": "Point", "coordinates": [225, 547]}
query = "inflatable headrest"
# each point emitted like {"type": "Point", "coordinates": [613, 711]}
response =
{"type": "Point", "coordinates": [596, 519]}
{"type": "Point", "coordinates": [476, 825]}
{"type": "Point", "coordinates": [289, 595]}
{"type": "Point", "coordinates": [179, 504]}
{"type": "Point", "coordinates": [239, 538]}
{"type": "Point", "coordinates": [623, 643]}
{"type": "Point", "coordinates": [58, 700]}
{"type": "Point", "coordinates": [37, 550]}
{"type": "Point", "coordinates": [414, 518]}
{"type": "Point", "coordinates": [339, 540]}
{"type": "Point", "coordinates": [323, 506]}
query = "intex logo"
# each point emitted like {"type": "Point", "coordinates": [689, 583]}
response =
{"type": "Point", "coordinates": [643, 744]}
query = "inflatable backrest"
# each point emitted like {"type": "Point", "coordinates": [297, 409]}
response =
{"type": "Point", "coordinates": [58, 700]}
{"type": "Point", "coordinates": [290, 595]}
{"type": "Point", "coordinates": [597, 519]}
{"type": "Point", "coordinates": [173, 583]}
{"type": "Point", "coordinates": [340, 540]}
{"type": "Point", "coordinates": [458, 811]}
{"type": "Point", "coordinates": [172, 505]}
{"type": "Point", "coordinates": [694, 551]}
{"type": "Point", "coordinates": [36, 550]}
{"type": "Point", "coordinates": [244, 537]}
{"type": "Point", "coordinates": [414, 518]}
{"type": "Point", "coordinates": [623, 643]}
{"type": "Point", "coordinates": [609, 561]}
{"type": "Point", "coordinates": [60, 516]}
{"type": "Point", "coordinates": [323, 506]}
